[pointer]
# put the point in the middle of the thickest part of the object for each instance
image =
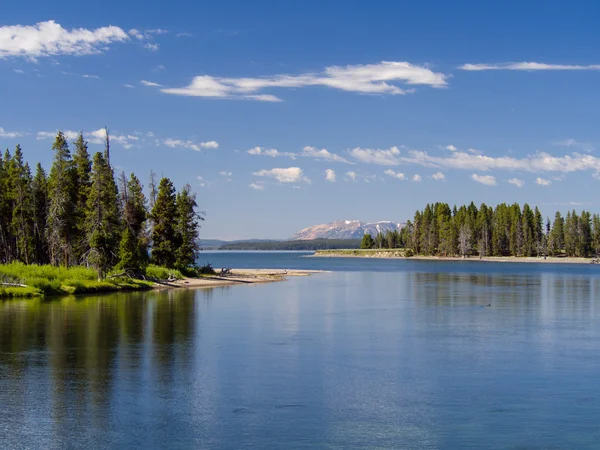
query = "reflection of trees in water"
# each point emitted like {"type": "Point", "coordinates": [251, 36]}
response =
{"type": "Point", "coordinates": [83, 343]}
{"type": "Point", "coordinates": [454, 289]}
{"type": "Point", "coordinates": [173, 327]}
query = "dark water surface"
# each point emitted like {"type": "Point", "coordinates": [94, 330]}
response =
{"type": "Point", "coordinates": [377, 354]}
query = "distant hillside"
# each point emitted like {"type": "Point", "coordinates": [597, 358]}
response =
{"type": "Point", "coordinates": [345, 229]}
{"type": "Point", "coordinates": [316, 244]}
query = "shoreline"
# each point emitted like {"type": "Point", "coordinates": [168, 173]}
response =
{"type": "Point", "coordinates": [236, 277]}
{"type": "Point", "coordinates": [500, 259]}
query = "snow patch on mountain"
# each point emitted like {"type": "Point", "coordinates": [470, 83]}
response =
{"type": "Point", "coordinates": [346, 229]}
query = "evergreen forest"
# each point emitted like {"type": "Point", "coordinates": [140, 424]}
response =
{"type": "Point", "coordinates": [81, 214]}
{"type": "Point", "coordinates": [506, 230]}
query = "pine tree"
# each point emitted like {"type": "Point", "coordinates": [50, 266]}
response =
{"type": "Point", "coordinates": [39, 194]}
{"type": "Point", "coordinates": [102, 222]}
{"type": "Point", "coordinates": [22, 207]}
{"type": "Point", "coordinates": [367, 241]}
{"type": "Point", "coordinates": [5, 209]}
{"type": "Point", "coordinates": [133, 249]}
{"type": "Point", "coordinates": [164, 241]}
{"type": "Point", "coordinates": [82, 166]}
{"type": "Point", "coordinates": [60, 219]}
{"type": "Point", "coordinates": [556, 239]}
{"type": "Point", "coordinates": [186, 228]}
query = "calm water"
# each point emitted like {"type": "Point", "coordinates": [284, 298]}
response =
{"type": "Point", "coordinates": [376, 354]}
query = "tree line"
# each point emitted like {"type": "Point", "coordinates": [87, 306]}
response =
{"type": "Point", "coordinates": [80, 214]}
{"type": "Point", "coordinates": [313, 244]}
{"type": "Point", "coordinates": [506, 230]}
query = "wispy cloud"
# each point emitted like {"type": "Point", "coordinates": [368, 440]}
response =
{"type": "Point", "coordinates": [271, 152]}
{"type": "Point", "coordinates": [528, 66]}
{"type": "Point", "coordinates": [284, 175]}
{"type": "Point", "coordinates": [538, 162]}
{"type": "Point", "coordinates": [10, 134]}
{"type": "Point", "coordinates": [381, 78]}
{"type": "Point", "coordinates": [488, 180]}
{"type": "Point", "coordinates": [438, 176]}
{"type": "Point", "coordinates": [517, 182]}
{"type": "Point", "coordinates": [130, 86]}
{"type": "Point", "coordinates": [398, 175]}
{"type": "Point", "coordinates": [330, 175]}
{"type": "Point", "coordinates": [150, 83]}
{"type": "Point", "coordinates": [196, 146]}
{"type": "Point", "coordinates": [93, 137]}
{"type": "Point", "coordinates": [543, 181]}
{"type": "Point", "coordinates": [351, 175]}
{"type": "Point", "coordinates": [322, 154]}
{"type": "Point", "coordinates": [51, 39]}
{"type": "Point", "coordinates": [387, 157]}
{"type": "Point", "coordinates": [257, 186]}
{"type": "Point", "coordinates": [572, 143]}
{"type": "Point", "coordinates": [417, 178]}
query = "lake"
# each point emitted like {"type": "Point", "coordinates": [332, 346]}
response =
{"type": "Point", "coordinates": [374, 354]}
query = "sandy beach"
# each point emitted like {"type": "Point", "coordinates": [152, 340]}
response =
{"type": "Point", "coordinates": [237, 276]}
{"type": "Point", "coordinates": [504, 259]}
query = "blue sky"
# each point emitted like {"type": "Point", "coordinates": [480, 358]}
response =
{"type": "Point", "coordinates": [283, 115]}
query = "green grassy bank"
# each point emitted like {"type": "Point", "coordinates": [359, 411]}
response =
{"type": "Point", "coordinates": [50, 280]}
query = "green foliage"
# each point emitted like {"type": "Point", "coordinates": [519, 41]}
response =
{"type": "Point", "coordinates": [60, 218]}
{"type": "Point", "coordinates": [186, 228]}
{"type": "Point", "coordinates": [102, 221]}
{"type": "Point", "coordinates": [162, 273]}
{"type": "Point", "coordinates": [367, 241]}
{"type": "Point", "coordinates": [164, 236]}
{"type": "Point", "coordinates": [52, 280]}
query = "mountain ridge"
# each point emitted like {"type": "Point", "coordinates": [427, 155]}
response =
{"type": "Point", "coordinates": [345, 229]}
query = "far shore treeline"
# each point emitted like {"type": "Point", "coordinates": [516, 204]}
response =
{"type": "Point", "coordinates": [506, 230]}
{"type": "Point", "coordinates": [313, 244]}
{"type": "Point", "coordinates": [81, 215]}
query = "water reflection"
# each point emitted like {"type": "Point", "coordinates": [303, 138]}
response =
{"type": "Point", "coordinates": [391, 359]}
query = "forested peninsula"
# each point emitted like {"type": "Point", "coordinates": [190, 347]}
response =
{"type": "Point", "coordinates": [81, 229]}
{"type": "Point", "coordinates": [504, 231]}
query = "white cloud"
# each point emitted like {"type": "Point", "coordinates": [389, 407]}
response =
{"type": "Point", "coordinates": [10, 134]}
{"type": "Point", "coordinates": [351, 175]}
{"type": "Point", "coordinates": [225, 174]}
{"type": "Point", "coordinates": [416, 177]}
{"type": "Point", "coordinates": [199, 178]}
{"type": "Point", "coordinates": [129, 86]}
{"type": "Point", "coordinates": [136, 34]}
{"type": "Point", "coordinates": [531, 66]}
{"type": "Point", "coordinates": [538, 162]}
{"type": "Point", "coordinates": [273, 153]}
{"type": "Point", "coordinates": [387, 157]}
{"type": "Point", "coordinates": [257, 187]}
{"type": "Point", "coordinates": [393, 174]}
{"type": "Point", "coordinates": [452, 148]}
{"type": "Point", "coordinates": [50, 39]}
{"type": "Point", "coordinates": [542, 181]}
{"type": "Point", "coordinates": [184, 35]}
{"type": "Point", "coordinates": [19, 71]}
{"type": "Point", "coordinates": [313, 152]}
{"type": "Point", "coordinates": [150, 83]}
{"type": "Point", "coordinates": [152, 46]}
{"type": "Point", "coordinates": [371, 78]}
{"type": "Point", "coordinates": [330, 175]}
{"type": "Point", "coordinates": [178, 143]}
{"type": "Point", "coordinates": [517, 182]}
{"type": "Point", "coordinates": [90, 76]}
{"type": "Point", "coordinates": [284, 175]}
{"type": "Point", "coordinates": [438, 176]}
{"type": "Point", "coordinates": [488, 180]}
{"type": "Point", "coordinates": [93, 137]}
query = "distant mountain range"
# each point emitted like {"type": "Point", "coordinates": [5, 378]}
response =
{"type": "Point", "coordinates": [345, 229]}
